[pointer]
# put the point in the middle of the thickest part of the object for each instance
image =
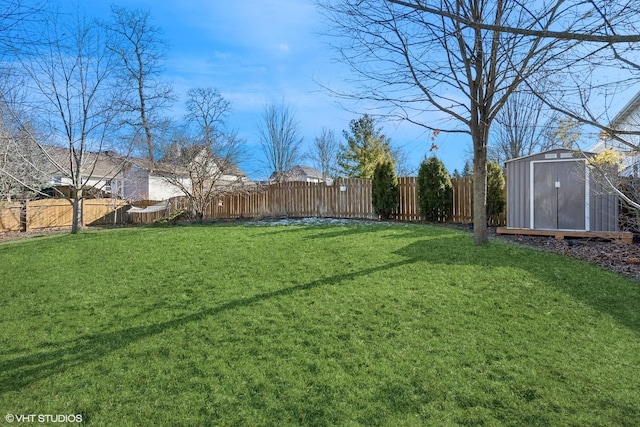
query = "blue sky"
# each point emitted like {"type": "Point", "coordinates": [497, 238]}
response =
{"type": "Point", "coordinates": [257, 52]}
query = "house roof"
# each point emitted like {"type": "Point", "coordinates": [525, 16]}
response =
{"type": "Point", "coordinates": [298, 172]}
{"type": "Point", "coordinates": [159, 168]}
{"type": "Point", "coordinates": [184, 155]}
{"type": "Point", "coordinates": [108, 164]}
{"type": "Point", "coordinates": [310, 172]}
{"type": "Point", "coordinates": [626, 111]}
{"type": "Point", "coordinates": [104, 164]}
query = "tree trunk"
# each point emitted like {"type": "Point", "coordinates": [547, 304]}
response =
{"type": "Point", "coordinates": [76, 221]}
{"type": "Point", "coordinates": [480, 190]}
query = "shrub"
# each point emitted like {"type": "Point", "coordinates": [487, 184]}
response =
{"type": "Point", "coordinates": [435, 192]}
{"type": "Point", "coordinates": [175, 217]}
{"type": "Point", "coordinates": [384, 188]}
{"type": "Point", "coordinates": [495, 192]}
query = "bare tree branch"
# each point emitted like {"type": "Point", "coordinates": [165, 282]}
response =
{"type": "Point", "coordinates": [543, 33]}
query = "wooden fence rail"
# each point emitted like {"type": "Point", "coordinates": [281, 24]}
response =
{"type": "Point", "coordinates": [343, 198]}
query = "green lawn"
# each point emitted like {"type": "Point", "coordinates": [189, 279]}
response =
{"type": "Point", "coordinates": [393, 325]}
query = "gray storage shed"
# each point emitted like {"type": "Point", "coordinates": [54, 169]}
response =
{"type": "Point", "coordinates": [555, 190]}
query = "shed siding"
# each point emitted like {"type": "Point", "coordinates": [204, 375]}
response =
{"type": "Point", "coordinates": [603, 209]}
{"type": "Point", "coordinates": [518, 202]}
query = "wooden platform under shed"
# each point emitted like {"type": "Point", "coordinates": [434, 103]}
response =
{"type": "Point", "coordinates": [619, 236]}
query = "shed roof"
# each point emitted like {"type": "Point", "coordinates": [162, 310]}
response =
{"type": "Point", "coordinates": [577, 154]}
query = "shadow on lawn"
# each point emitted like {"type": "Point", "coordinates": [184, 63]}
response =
{"type": "Point", "coordinates": [21, 371]}
{"type": "Point", "coordinates": [409, 231]}
{"type": "Point", "coordinates": [618, 298]}
{"type": "Point", "coordinates": [322, 231]}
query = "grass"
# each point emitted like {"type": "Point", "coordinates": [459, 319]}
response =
{"type": "Point", "coordinates": [313, 325]}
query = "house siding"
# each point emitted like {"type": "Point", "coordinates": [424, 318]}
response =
{"type": "Point", "coordinates": [161, 189]}
{"type": "Point", "coordinates": [136, 184]}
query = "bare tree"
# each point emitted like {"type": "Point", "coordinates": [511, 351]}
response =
{"type": "Point", "coordinates": [280, 139]}
{"type": "Point", "coordinates": [22, 163]}
{"type": "Point", "coordinates": [201, 159]}
{"type": "Point", "coordinates": [21, 160]}
{"type": "Point", "coordinates": [521, 129]}
{"type": "Point", "coordinates": [465, 59]}
{"type": "Point", "coordinates": [324, 153]}
{"type": "Point", "coordinates": [140, 49]}
{"type": "Point", "coordinates": [207, 110]}
{"type": "Point", "coordinates": [71, 88]}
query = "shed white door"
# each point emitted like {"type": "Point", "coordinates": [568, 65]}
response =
{"type": "Point", "coordinates": [559, 195]}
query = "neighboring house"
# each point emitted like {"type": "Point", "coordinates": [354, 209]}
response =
{"type": "Point", "coordinates": [133, 178]}
{"type": "Point", "coordinates": [102, 171]}
{"type": "Point", "coordinates": [299, 174]}
{"type": "Point", "coordinates": [627, 120]}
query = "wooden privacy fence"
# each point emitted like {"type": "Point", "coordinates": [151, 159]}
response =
{"type": "Point", "coordinates": [10, 213]}
{"type": "Point", "coordinates": [58, 213]}
{"type": "Point", "coordinates": [344, 198]}
{"type": "Point", "coordinates": [408, 209]}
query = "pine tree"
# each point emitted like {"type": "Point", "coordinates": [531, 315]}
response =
{"type": "Point", "coordinates": [366, 147]}
{"type": "Point", "coordinates": [467, 170]}
{"type": "Point", "coordinates": [495, 191]}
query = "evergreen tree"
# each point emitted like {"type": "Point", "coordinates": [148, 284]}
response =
{"type": "Point", "coordinates": [366, 147]}
{"type": "Point", "coordinates": [435, 192]}
{"type": "Point", "coordinates": [495, 191]}
{"type": "Point", "coordinates": [384, 188]}
{"type": "Point", "coordinates": [467, 170]}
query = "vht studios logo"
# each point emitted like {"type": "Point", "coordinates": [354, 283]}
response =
{"type": "Point", "coordinates": [43, 418]}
